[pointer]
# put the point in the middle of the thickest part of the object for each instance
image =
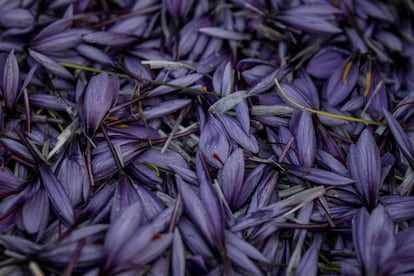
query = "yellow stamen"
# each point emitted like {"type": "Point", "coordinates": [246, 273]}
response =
{"type": "Point", "coordinates": [111, 119]}
{"type": "Point", "coordinates": [155, 168]}
{"type": "Point", "coordinates": [368, 79]}
{"type": "Point", "coordinates": [400, 178]}
{"type": "Point", "coordinates": [346, 72]}
{"type": "Point", "coordinates": [54, 116]}
{"type": "Point", "coordinates": [323, 113]}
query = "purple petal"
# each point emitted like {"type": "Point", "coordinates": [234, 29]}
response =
{"type": "Point", "coordinates": [60, 41]}
{"type": "Point", "coordinates": [94, 54]}
{"type": "Point", "coordinates": [72, 173]}
{"type": "Point", "coordinates": [342, 82]}
{"type": "Point", "coordinates": [235, 131]}
{"type": "Point", "coordinates": [195, 209]}
{"type": "Point", "coordinates": [213, 142]}
{"type": "Point", "coordinates": [35, 212]}
{"type": "Point", "coordinates": [364, 163]}
{"type": "Point", "coordinates": [154, 249]}
{"type": "Point", "coordinates": [109, 39]}
{"type": "Point", "coordinates": [231, 175]}
{"type": "Point", "coordinates": [178, 257]}
{"type": "Point", "coordinates": [400, 136]}
{"type": "Point", "coordinates": [121, 230]}
{"type": "Point", "coordinates": [16, 18]}
{"type": "Point", "coordinates": [324, 63]}
{"type": "Point", "coordinates": [306, 139]}
{"type": "Point", "coordinates": [10, 81]}
{"type": "Point", "coordinates": [51, 65]}
{"type": "Point", "coordinates": [184, 81]}
{"type": "Point", "coordinates": [311, 24]}
{"type": "Point", "coordinates": [224, 34]}
{"type": "Point", "coordinates": [57, 195]}
{"type": "Point", "coordinates": [165, 108]}
{"type": "Point", "coordinates": [100, 95]}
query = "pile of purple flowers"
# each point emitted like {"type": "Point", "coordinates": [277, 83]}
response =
{"type": "Point", "coordinates": [210, 137]}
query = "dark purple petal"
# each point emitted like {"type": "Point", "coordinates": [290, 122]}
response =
{"type": "Point", "coordinates": [184, 81]}
{"type": "Point", "coordinates": [235, 131]}
{"type": "Point", "coordinates": [51, 65]}
{"type": "Point", "coordinates": [60, 41]}
{"type": "Point", "coordinates": [94, 54]}
{"type": "Point", "coordinates": [109, 39]}
{"type": "Point", "coordinates": [165, 108]}
{"type": "Point", "coordinates": [364, 164]}
{"type": "Point", "coordinates": [57, 195]}
{"type": "Point", "coordinates": [16, 18]}
{"type": "Point", "coordinates": [223, 33]}
{"type": "Point", "coordinates": [11, 81]}
{"type": "Point", "coordinates": [9, 183]}
{"type": "Point", "coordinates": [319, 176]}
{"type": "Point", "coordinates": [306, 139]}
{"type": "Point", "coordinates": [120, 231]}
{"type": "Point", "coordinates": [400, 137]}
{"type": "Point", "coordinates": [126, 194]}
{"type": "Point", "coordinates": [324, 63]}
{"type": "Point", "coordinates": [213, 142]}
{"type": "Point", "coordinates": [231, 176]}
{"type": "Point", "coordinates": [342, 81]}
{"type": "Point", "coordinates": [178, 257]}
{"type": "Point", "coordinates": [35, 212]}
{"type": "Point", "coordinates": [72, 173]}
{"type": "Point", "coordinates": [100, 95]}
{"type": "Point", "coordinates": [195, 209]}
{"type": "Point", "coordinates": [154, 249]}
{"type": "Point", "coordinates": [311, 24]}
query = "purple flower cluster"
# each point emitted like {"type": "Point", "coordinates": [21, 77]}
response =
{"type": "Point", "coordinates": [210, 137]}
